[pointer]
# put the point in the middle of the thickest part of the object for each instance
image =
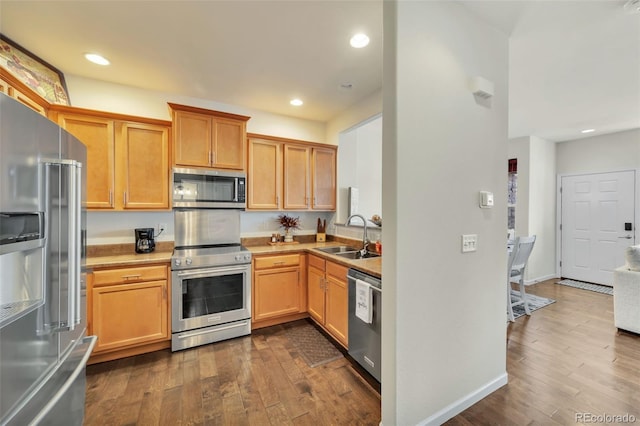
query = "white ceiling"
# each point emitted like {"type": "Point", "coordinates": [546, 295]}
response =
{"type": "Point", "coordinates": [573, 64]}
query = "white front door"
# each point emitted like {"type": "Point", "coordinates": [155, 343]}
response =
{"type": "Point", "coordinates": [597, 209]}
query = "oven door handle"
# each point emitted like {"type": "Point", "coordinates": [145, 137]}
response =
{"type": "Point", "coordinates": [199, 333]}
{"type": "Point", "coordinates": [210, 270]}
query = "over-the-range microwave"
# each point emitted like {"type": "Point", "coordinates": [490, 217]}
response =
{"type": "Point", "coordinates": [200, 188]}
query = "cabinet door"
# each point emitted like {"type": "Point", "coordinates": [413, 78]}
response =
{"type": "Point", "coordinates": [143, 159]}
{"type": "Point", "coordinates": [296, 177]}
{"type": "Point", "coordinates": [229, 139]}
{"type": "Point", "coordinates": [315, 293]}
{"type": "Point", "coordinates": [8, 89]}
{"type": "Point", "coordinates": [324, 179]}
{"type": "Point", "coordinates": [98, 136]}
{"type": "Point", "coordinates": [264, 175]}
{"type": "Point", "coordinates": [337, 308]}
{"type": "Point", "coordinates": [130, 314]}
{"type": "Point", "coordinates": [277, 293]}
{"type": "Point", "coordinates": [192, 139]}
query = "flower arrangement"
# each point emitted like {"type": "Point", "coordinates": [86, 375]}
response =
{"type": "Point", "coordinates": [289, 222]}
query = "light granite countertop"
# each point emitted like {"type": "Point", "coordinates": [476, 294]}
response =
{"type": "Point", "coordinates": [127, 259]}
{"type": "Point", "coordinates": [372, 266]}
{"type": "Point", "coordinates": [109, 259]}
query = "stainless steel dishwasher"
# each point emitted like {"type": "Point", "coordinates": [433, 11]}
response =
{"type": "Point", "coordinates": [365, 338]}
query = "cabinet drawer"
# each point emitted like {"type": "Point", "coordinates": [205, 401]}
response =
{"type": "Point", "coordinates": [277, 261]}
{"type": "Point", "coordinates": [316, 262]}
{"type": "Point", "coordinates": [338, 271]}
{"type": "Point", "coordinates": [125, 275]}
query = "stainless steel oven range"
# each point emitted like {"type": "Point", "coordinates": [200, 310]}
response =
{"type": "Point", "coordinates": [211, 279]}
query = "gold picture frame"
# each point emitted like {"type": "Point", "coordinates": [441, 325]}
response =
{"type": "Point", "coordinates": [40, 76]}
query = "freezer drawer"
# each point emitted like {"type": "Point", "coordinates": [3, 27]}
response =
{"type": "Point", "coordinates": [60, 399]}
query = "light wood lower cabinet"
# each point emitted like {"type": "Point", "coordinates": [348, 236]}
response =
{"type": "Point", "coordinates": [329, 297]}
{"type": "Point", "coordinates": [279, 289]}
{"type": "Point", "coordinates": [129, 310]}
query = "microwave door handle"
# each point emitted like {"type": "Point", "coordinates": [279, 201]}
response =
{"type": "Point", "coordinates": [235, 186]}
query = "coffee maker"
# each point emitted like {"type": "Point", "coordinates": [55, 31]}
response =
{"type": "Point", "coordinates": [144, 240]}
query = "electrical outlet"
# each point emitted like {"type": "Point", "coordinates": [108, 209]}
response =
{"type": "Point", "coordinates": [161, 227]}
{"type": "Point", "coordinates": [469, 243]}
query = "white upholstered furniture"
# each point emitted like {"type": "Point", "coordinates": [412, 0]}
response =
{"type": "Point", "coordinates": [626, 292]}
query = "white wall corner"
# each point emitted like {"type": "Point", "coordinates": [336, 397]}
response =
{"type": "Point", "coordinates": [465, 402]}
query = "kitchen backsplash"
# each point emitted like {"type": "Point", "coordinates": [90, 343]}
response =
{"type": "Point", "coordinates": [117, 227]}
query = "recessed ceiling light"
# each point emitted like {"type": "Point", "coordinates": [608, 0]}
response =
{"type": "Point", "coordinates": [588, 131]}
{"type": "Point", "coordinates": [359, 40]}
{"type": "Point", "coordinates": [97, 59]}
{"type": "Point", "coordinates": [296, 102]}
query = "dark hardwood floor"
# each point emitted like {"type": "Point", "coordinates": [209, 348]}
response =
{"type": "Point", "coordinates": [254, 380]}
{"type": "Point", "coordinates": [567, 363]}
{"type": "Point", "coordinates": [567, 359]}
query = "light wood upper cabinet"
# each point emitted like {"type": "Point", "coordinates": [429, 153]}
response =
{"type": "Point", "coordinates": [284, 174]}
{"type": "Point", "coordinates": [98, 135]}
{"type": "Point", "coordinates": [229, 143]}
{"type": "Point", "coordinates": [195, 128]}
{"type": "Point", "coordinates": [11, 86]}
{"type": "Point", "coordinates": [297, 177]}
{"type": "Point", "coordinates": [128, 165]}
{"type": "Point", "coordinates": [143, 157]}
{"type": "Point", "coordinates": [206, 138]}
{"type": "Point", "coordinates": [324, 179]}
{"type": "Point", "coordinates": [264, 174]}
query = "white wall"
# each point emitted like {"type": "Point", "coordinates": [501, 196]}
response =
{"type": "Point", "coordinates": [103, 96]}
{"type": "Point", "coordinates": [542, 209]}
{"type": "Point", "coordinates": [539, 164]}
{"type": "Point", "coordinates": [444, 333]}
{"type": "Point", "coordinates": [358, 113]}
{"type": "Point", "coordinates": [117, 227]}
{"type": "Point", "coordinates": [519, 149]}
{"type": "Point", "coordinates": [605, 153]}
{"type": "Point", "coordinates": [360, 166]}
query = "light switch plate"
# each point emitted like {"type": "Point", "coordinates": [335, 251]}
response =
{"type": "Point", "coordinates": [469, 243]}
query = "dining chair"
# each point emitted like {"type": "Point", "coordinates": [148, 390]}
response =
{"type": "Point", "coordinates": [518, 259]}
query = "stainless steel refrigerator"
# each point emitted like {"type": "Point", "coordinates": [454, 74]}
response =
{"type": "Point", "coordinates": [43, 342]}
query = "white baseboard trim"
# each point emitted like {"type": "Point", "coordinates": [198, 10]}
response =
{"type": "Point", "coordinates": [540, 279]}
{"type": "Point", "coordinates": [462, 404]}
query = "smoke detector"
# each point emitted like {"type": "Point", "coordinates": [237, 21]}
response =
{"type": "Point", "coordinates": [632, 6]}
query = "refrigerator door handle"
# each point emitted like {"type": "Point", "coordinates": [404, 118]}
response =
{"type": "Point", "coordinates": [74, 204]}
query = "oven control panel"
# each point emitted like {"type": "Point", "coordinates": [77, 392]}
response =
{"type": "Point", "coordinates": [189, 259]}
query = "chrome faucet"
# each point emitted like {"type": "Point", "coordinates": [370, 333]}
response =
{"type": "Point", "coordinates": [365, 241]}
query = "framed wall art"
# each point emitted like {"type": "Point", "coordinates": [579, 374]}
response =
{"type": "Point", "coordinates": [44, 79]}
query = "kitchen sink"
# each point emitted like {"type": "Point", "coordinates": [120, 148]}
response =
{"type": "Point", "coordinates": [356, 255]}
{"type": "Point", "coordinates": [337, 249]}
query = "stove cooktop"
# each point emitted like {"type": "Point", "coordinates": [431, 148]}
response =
{"type": "Point", "coordinates": [209, 256]}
